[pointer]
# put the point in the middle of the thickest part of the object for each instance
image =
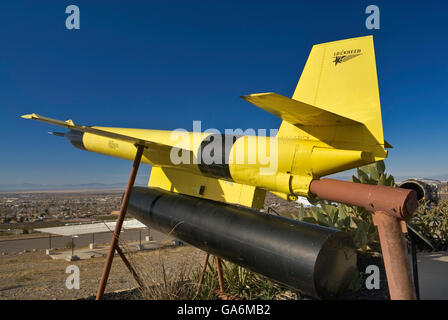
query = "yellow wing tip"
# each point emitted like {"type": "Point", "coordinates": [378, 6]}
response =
{"type": "Point", "coordinates": [30, 116]}
{"type": "Point", "coordinates": [343, 40]}
{"type": "Point", "coordinates": [387, 145]}
{"type": "Point", "coordinates": [248, 96]}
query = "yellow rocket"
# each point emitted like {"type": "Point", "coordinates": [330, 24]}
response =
{"type": "Point", "coordinates": [332, 123]}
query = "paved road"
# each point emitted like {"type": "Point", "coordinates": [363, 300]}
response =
{"type": "Point", "coordinates": [433, 275]}
{"type": "Point", "coordinates": [59, 242]}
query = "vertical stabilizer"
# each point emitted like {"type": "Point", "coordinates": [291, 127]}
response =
{"type": "Point", "coordinates": [341, 77]}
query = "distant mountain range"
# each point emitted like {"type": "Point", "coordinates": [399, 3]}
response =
{"type": "Point", "coordinates": [441, 177]}
{"type": "Point", "coordinates": [33, 186]}
{"type": "Point", "coordinates": [122, 185]}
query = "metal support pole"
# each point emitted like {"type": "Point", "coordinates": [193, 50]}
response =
{"type": "Point", "coordinates": [390, 207]}
{"type": "Point", "coordinates": [220, 276]}
{"type": "Point", "coordinates": [397, 202]}
{"type": "Point", "coordinates": [123, 208]}
{"type": "Point", "coordinates": [414, 239]}
{"type": "Point", "coordinates": [415, 267]}
{"type": "Point", "coordinates": [395, 256]}
{"type": "Point", "coordinates": [131, 269]}
{"type": "Point", "coordinates": [201, 278]}
{"type": "Point", "coordinates": [49, 240]}
{"type": "Point", "coordinates": [73, 247]}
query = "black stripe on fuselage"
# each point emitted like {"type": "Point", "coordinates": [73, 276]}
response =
{"type": "Point", "coordinates": [214, 156]}
{"type": "Point", "coordinates": [75, 138]}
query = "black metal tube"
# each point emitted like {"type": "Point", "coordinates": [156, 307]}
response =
{"type": "Point", "coordinates": [415, 268]}
{"type": "Point", "coordinates": [316, 260]}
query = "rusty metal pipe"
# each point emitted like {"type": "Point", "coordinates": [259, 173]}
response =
{"type": "Point", "coordinates": [397, 202]}
{"type": "Point", "coordinates": [390, 207]}
{"type": "Point", "coordinates": [201, 278]}
{"type": "Point", "coordinates": [395, 256]}
{"type": "Point", "coordinates": [130, 268]}
{"type": "Point", "coordinates": [116, 235]}
{"type": "Point", "coordinates": [220, 276]}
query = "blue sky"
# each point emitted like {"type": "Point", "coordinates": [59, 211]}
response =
{"type": "Point", "coordinates": [162, 65]}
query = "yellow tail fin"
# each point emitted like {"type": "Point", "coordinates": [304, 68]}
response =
{"type": "Point", "coordinates": [340, 77]}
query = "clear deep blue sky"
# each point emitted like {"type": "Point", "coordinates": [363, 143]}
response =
{"type": "Point", "coordinates": [162, 65]}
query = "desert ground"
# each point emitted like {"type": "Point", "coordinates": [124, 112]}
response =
{"type": "Point", "coordinates": [34, 275]}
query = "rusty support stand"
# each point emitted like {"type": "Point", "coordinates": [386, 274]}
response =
{"type": "Point", "coordinates": [119, 224]}
{"type": "Point", "coordinates": [220, 276]}
{"type": "Point", "coordinates": [395, 256]}
{"type": "Point", "coordinates": [390, 207]}
{"type": "Point", "coordinates": [131, 269]}
{"type": "Point", "coordinates": [220, 292]}
{"type": "Point", "coordinates": [201, 278]}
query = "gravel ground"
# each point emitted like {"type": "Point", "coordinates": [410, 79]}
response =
{"type": "Point", "coordinates": [36, 276]}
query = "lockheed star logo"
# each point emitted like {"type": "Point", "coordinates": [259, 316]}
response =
{"type": "Point", "coordinates": [345, 55]}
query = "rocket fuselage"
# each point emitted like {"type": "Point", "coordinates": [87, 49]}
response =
{"type": "Point", "coordinates": [284, 165]}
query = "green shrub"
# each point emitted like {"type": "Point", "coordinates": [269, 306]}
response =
{"type": "Point", "coordinates": [27, 230]}
{"type": "Point", "coordinates": [238, 282]}
{"type": "Point", "coordinates": [432, 223]}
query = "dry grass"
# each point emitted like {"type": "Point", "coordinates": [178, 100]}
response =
{"type": "Point", "coordinates": [162, 281]}
{"type": "Point", "coordinates": [175, 285]}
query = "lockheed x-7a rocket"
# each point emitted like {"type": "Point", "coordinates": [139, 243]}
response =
{"type": "Point", "coordinates": [332, 123]}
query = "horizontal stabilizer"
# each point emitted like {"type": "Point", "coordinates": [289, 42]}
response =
{"type": "Point", "coordinates": [297, 112]}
